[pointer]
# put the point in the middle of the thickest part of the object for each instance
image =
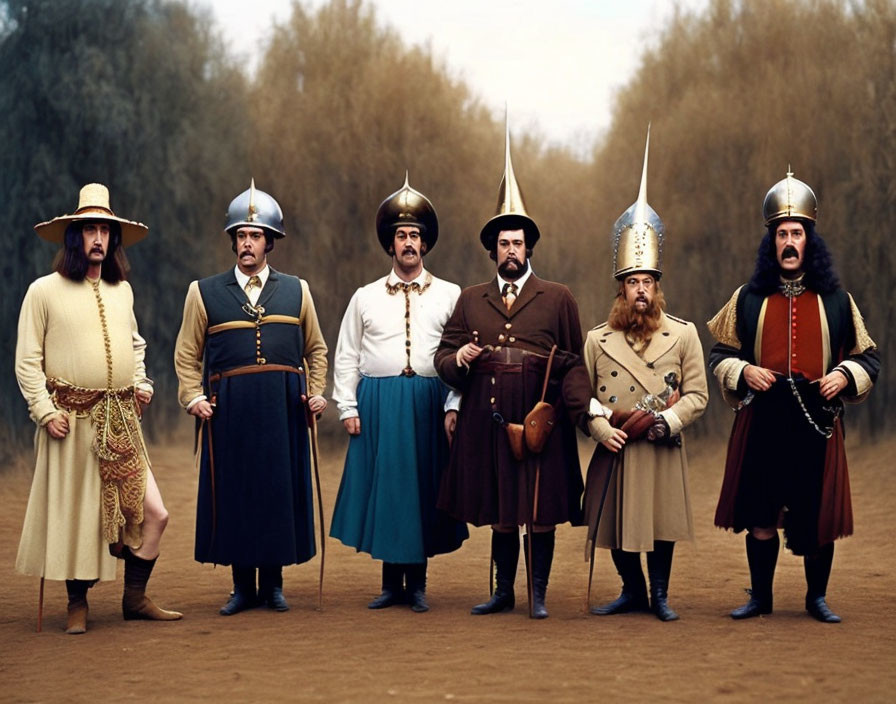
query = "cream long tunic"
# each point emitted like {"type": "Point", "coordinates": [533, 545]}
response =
{"type": "Point", "coordinates": [60, 335]}
{"type": "Point", "coordinates": [647, 499]}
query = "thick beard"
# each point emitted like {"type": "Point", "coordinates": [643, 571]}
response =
{"type": "Point", "coordinates": [513, 275]}
{"type": "Point", "coordinates": [637, 325]}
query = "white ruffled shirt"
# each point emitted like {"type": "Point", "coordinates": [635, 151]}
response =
{"type": "Point", "coordinates": [372, 336]}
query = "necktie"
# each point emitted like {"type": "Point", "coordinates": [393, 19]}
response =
{"type": "Point", "coordinates": [508, 293]}
{"type": "Point", "coordinates": [253, 288]}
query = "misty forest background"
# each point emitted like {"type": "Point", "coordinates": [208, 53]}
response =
{"type": "Point", "coordinates": [143, 96]}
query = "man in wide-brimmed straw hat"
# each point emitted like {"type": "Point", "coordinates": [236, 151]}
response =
{"type": "Point", "coordinates": [80, 366]}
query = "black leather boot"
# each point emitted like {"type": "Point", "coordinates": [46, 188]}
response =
{"type": "Point", "coordinates": [415, 576]}
{"type": "Point", "coordinates": [244, 595]}
{"type": "Point", "coordinates": [762, 556]}
{"type": "Point", "coordinates": [543, 547]}
{"type": "Point", "coordinates": [270, 588]}
{"type": "Point", "coordinates": [393, 575]}
{"type": "Point", "coordinates": [659, 567]}
{"type": "Point", "coordinates": [506, 553]}
{"type": "Point", "coordinates": [818, 570]}
{"type": "Point", "coordinates": [634, 588]}
{"type": "Point", "coordinates": [76, 622]}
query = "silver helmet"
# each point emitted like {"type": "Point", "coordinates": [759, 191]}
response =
{"type": "Point", "coordinates": [407, 207]}
{"type": "Point", "coordinates": [255, 208]}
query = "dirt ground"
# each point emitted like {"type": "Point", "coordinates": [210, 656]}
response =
{"type": "Point", "coordinates": [346, 653]}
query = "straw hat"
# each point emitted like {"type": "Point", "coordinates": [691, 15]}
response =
{"type": "Point", "coordinates": [93, 205]}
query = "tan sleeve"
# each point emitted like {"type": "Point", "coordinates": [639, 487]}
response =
{"type": "Point", "coordinates": [315, 347]}
{"type": "Point", "coordinates": [189, 347]}
{"type": "Point", "coordinates": [694, 391]}
{"type": "Point", "coordinates": [723, 327]}
{"type": "Point", "coordinates": [30, 356]}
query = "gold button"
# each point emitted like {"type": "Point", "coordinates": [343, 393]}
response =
{"type": "Point", "coordinates": [508, 325]}
{"type": "Point", "coordinates": [512, 339]}
{"type": "Point", "coordinates": [501, 337]}
{"type": "Point", "coordinates": [492, 399]}
{"type": "Point", "coordinates": [493, 380]}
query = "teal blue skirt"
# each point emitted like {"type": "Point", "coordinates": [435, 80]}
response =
{"type": "Point", "coordinates": [387, 498]}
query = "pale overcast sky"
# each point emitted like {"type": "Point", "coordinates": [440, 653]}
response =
{"type": "Point", "coordinates": [557, 63]}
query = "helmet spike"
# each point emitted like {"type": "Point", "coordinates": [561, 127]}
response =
{"type": "Point", "coordinates": [252, 214]}
{"type": "Point", "coordinates": [641, 209]}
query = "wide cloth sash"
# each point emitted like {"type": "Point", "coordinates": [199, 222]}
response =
{"type": "Point", "coordinates": [119, 447]}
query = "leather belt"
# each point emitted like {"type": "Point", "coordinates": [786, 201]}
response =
{"type": "Point", "coordinates": [255, 369]}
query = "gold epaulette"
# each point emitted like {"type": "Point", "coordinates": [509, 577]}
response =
{"type": "Point", "coordinates": [723, 326]}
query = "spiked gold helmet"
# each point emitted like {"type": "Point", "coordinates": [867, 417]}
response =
{"type": "Point", "coordinates": [93, 206]}
{"type": "Point", "coordinates": [255, 208]}
{"type": "Point", "coordinates": [511, 213]}
{"type": "Point", "coordinates": [789, 198]}
{"type": "Point", "coordinates": [638, 234]}
{"type": "Point", "coordinates": [407, 207]}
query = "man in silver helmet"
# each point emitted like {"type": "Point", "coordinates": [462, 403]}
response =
{"type": "Point", "coordinates": [648, 375]}
{"type": "Point", "coordinates": [513, 347]}
{"type": "Point", "coordinates": [252, 364]}
{"type": "Point", "coordinates": [80, 365]}
{"type": "Point", "coordinates": [791, 346]}
{"type": "Point", "coordinates": [394, 408]}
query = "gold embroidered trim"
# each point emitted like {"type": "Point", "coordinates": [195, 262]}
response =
{"type": "Point", "coordinates": [863, 339]}
{"type": "Point", "coordinates": [240, 324]}
{"type": "Point", "coordinates": [407, 288]}
{"type": "Point", "coordinates": [118, 445]}
{"type": "Point", "coordinates": [723, 326]}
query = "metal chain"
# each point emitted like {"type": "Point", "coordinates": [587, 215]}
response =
{"type": "Point", "coordinates": [826, 433]}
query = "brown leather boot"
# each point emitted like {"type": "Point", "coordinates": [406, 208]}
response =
{"type": "Point", "coordinates": [76, 623]}
{"type": "Point", "coordinates": [134, 603]}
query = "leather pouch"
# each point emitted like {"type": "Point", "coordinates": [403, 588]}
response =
{"type": "Point", "coordinates": [516, 440]}
{"type": "Point", "coordinates": [538, 425]}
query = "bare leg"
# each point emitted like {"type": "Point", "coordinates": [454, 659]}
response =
{"type": "Point", "coordinates": [155, 518]}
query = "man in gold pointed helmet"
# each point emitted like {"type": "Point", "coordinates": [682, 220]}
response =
{"type": "Point", "coordinates": [240, 359]}
{"type": "Point", "coordinates": [512, 344]}
{"type": "Point", "coordinates": [648, 377]}
{"type": "Point", "coordinates": [791, 347]}
{"type": "Point", "coordinates": [394, 407]}
{"type": "Point", "coordinates": [80, 365]}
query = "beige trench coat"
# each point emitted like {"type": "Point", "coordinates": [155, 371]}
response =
{"type": "Point", "coordinates": [647, 498]}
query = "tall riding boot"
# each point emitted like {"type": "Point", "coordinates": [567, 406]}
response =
{"type": "Point", "coordinates": [634, 588]}
{"type": "Point", "coordinates": [659, 567]}
{"type": "Point", "coordinates": [762, 556]}
{"type": "Point", "coordinates": [392, 594]}
{"type": "Point", "coordinates": [244, 595]}
{"type": "Point", "coordinates": [270, 588]}
{"type": "Point", "coordinates": [540, 564]}
{"type": "Point", "coordinates": [76, 623]}
{"type": "Point", "coordinates": [506, 553]}
{"type": "Point", "coordinates": [134, 603]}
{"type": "Point", "coordinates": [415, 576]}
{"type": "Point", "coordinates": [818, 570]}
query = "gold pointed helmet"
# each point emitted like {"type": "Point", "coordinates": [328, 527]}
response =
{"type": "Point", "coordinates": [511, 212]}
{"type": "Point", "coordinates": [255, 208]}
{"type": "Point", "coordinates": [407, 207]}
{"type": "Point", "coordinates": [789, 198]}
{"type": "Point", "coordinates": [638, 234]}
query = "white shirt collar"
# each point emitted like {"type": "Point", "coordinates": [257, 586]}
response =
{"type": "Point", "coordinates": [519, 282]}
{"type": "Point", "coordinates": [393, 278]}
{"type": "Point", "coordinates": [242, 279]}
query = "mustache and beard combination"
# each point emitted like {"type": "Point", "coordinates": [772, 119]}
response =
{"type": "Point", "coordinates": [638, 326]}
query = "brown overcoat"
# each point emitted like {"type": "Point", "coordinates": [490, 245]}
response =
{"type": "Point", "coordinates": [484, 484]}
{"type": "Point", "coordinates": [647, 498]}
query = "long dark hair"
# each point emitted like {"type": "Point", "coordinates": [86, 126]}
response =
{"type": "Point", "coordinates": [817, 264]}
{"type": "Point", "coordinates": [71, 261]}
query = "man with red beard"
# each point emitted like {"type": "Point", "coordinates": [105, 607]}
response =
{"type": "Point", "coordinates": [791, 347]}
{"type": "Point", "coordinates": [636, 497]}
{"type": "Point", "coordinates": [510, 342]}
